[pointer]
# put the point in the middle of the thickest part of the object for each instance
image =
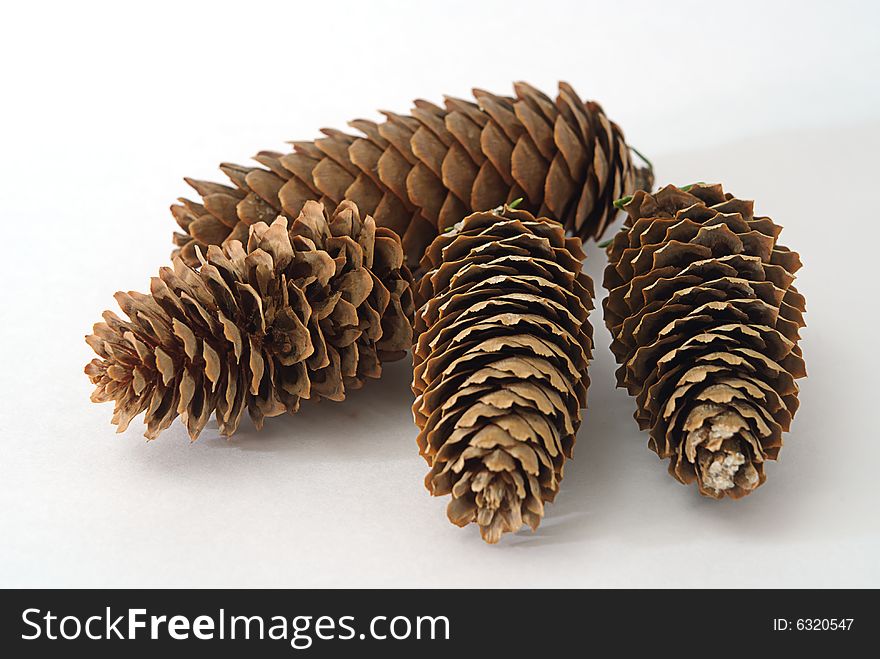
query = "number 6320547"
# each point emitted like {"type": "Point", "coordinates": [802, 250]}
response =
{"type": "Point", "coordinates": [813, 624]}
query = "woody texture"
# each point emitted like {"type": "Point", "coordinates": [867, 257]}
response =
{"type": "Point", "coordinates": [421, 172]}
{"type": "Point", "coordinates": [500, 366]}
{"type": "Point", "coordinates": [705, 324]}
{"type": "Point", "coordinates": [307, 311]}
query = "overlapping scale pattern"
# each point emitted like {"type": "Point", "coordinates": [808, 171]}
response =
{"type": "Point", "coordinates": [308, 311]}
{"type": "Point", "coordinates": [705, 324]}
{"type": "Point", "coordinates": [500, 366]}
{"type": "Point", "coordinates": [418, 174]}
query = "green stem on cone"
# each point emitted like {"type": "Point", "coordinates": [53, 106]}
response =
{"type": "Point", "coordinates": [689, 186]}
{"type": "Point", "coordinates": [642, 156]}
{"type": "Point", "coordinates": [623, 201]}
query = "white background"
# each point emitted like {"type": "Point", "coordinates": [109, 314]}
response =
{"type": "Point", "coordinates": [106, 107]}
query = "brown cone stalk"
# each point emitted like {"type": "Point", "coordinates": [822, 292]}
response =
{"type": "Point", "coordinates": [500, 377]}
{"type": "Point", "coordinates": [420, 173]}
{"type": "Point", "coordinates": [305, 312]}
{"type": "Point", "coordinates": [705, 324]}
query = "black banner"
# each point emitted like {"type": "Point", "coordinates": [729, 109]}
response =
{"type": "Point", "coordinates": [279, 623]}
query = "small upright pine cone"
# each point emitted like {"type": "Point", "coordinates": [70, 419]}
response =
{"type": "Point", "coordinates": [418, 174]}
{"type": "Point", "coordinates": [503, 342]}
{"type": "Point", "coordinates": [307, 312]}
{"type": "Point", "coordinates": [705, 323]}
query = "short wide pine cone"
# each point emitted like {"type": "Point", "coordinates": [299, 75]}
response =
{"type": "Point", "coordinates": [308, 312]}
{"type": "Point", "coordinates": [503, 341]}
{"type": "Point", "coordinates": [705, 324]}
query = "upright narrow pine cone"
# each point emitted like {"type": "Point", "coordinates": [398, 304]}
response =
{"type": "Point", "coordinates": [705, 324]}
{"type": "Point", "coordinates": [500, 365]}
{"type": "Point", "coordinates": [304, 313]}
{"type": "Point", "coordinates": [420, 173]}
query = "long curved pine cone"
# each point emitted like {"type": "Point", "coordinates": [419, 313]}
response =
{"type": "Point", "coordinates": [418, 174]}
{"type": "Point", "coordinates": [308, 312]}
{"type": "Point", "coordinates": [705, 324]}
{"type": "Point", "coordinates": [503, 342]}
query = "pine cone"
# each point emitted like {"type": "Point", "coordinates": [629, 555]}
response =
{"type": "Point", "coordinates": [420, 173]}
{"type": "Point", "coordinates": [304, 313]}
{"type": "Point", "coordinates": [705, 324]}
{"type": "Point", "coordinates": [500, 365]}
